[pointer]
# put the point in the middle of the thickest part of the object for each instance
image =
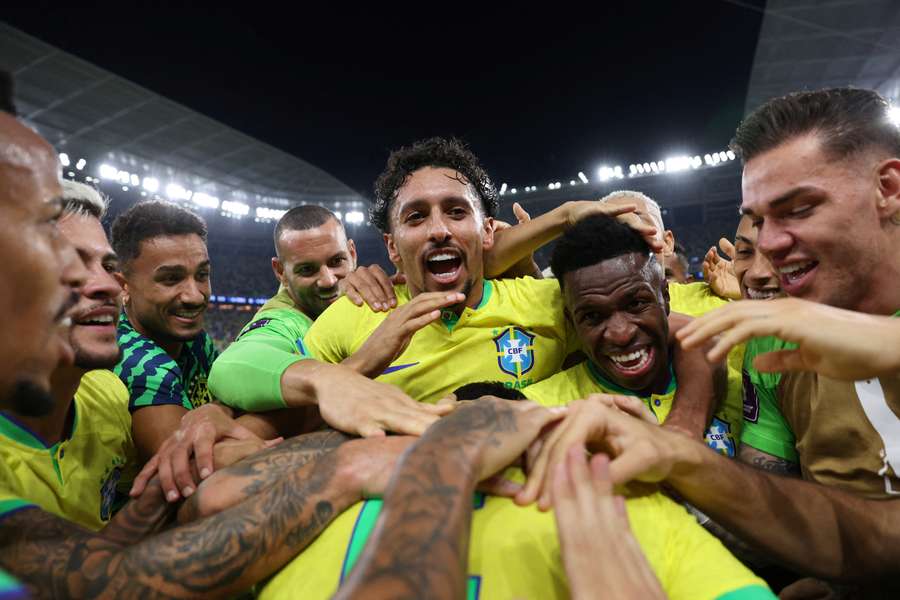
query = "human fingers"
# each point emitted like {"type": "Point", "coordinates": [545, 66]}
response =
{"type": "Point", "coordinates": [500, 225]}
{"type": "Point", "coordinates": [727, 248]}
{"type": "Point", "coordinates": [520, 213]}
{"type": "Point", "coordinates": [146, 474]}
{"type": "Point", "coordinates": [638, 461]}
{"type": "Point", "coordinates": [167, 477]}
{"type": "Point", "coordinates": [538, 473]}
{"type": "Point", "coordinates": [580, 476]}
{"type": "Point", "coordinates": [713, 323]}
{"type": "Point", "coordinates": [370, 429]}
{"type": "Point", "coordinates": [369, 288]}
{"type": "Point", "coordinates": [740, 333]}
{"type": "Point", "coordinates": [425, 303]}
{"type": "Point", "coordinates": [398, 278]}
{"type": "Point", "coordinates": [179, 458]}
{"type": "Point", "coordinates": [635, 407]}
{"type": "Point", "coordinates": [416, 323]}
{"type": "Point", "coordinates": [600, 474]}
{"type": "Point", "coordinates": [387, 286]}
{"type": "Point", "coordinates": [574, 436]}
{"type": "Point", "coordinates": [204, 440]}
{"type": "Point", "coordinates": [351, 292]}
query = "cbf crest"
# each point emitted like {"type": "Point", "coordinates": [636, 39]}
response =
{"type": "Point", "coordinates": [515, 351]}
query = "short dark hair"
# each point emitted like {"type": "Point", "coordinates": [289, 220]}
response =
{"type": "Point", "coordinates": [847, 119]}
{"type": "Point", "coordinates": [434, 152]}
{"type": "Point", "coordinates": [593, 240]}
{"type": "Point", "coordinates": [301, 218]}
{"type": "Point", "coordinates": [148, 220]}
{"type": "Point", "coordinates": [474, 391]}
{"type": "Point", "coordinates": [7, 92]}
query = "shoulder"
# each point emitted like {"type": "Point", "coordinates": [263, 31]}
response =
{"type": "Point", "coordinates": [102, 396]}
{"type": "Point", "coordinates": [694, 299]}
{"type": "Point", "coordinates": [524, 286]}
{"type": "Point", "coordinates": [562, 388]}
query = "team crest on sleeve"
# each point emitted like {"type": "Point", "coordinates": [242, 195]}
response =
{"type": "Point", "coordinates": [515, 351]}
{"type": "Point", "coordinates": [720, 438]}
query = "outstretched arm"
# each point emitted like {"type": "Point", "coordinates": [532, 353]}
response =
{"type": "Point", "coordinates": [215, 557]}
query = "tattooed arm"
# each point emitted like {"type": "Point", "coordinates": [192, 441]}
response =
{"type": "Point", "coordinates": [218, 556]}
{"type": "Point", "coordinates": [420, 544]}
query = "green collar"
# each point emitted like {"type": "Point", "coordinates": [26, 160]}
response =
{"type": "Point", "coordinates": [602, 381]}
{"type": "Point", "coordinates": [450, 318]}
{"type": "Point", "coordinates": [18, 432]}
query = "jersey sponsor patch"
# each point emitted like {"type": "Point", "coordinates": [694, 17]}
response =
{"type": "Point", "coordinates": [515, 351]}
{"type": "Point", "coordinates": [259, 323]}
{"type": "Point", "coordinates": [751, 402]}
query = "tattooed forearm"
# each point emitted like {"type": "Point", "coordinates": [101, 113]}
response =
{"type": "Point", "coordinates": [767, 462]}
{"type": "Point", "coordinates": [215, 557]}
{"type": "Point", "coordinates": [256, 473]}
{"type": "Point", "coordinates": [141, 517]}
{"type": "Point", "coordinates": [420, 545]}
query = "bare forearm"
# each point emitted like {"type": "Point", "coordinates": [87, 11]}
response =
{"type": "Point", "coordinates": [819, 531]}
{"type": "Point", "coordinates": [700, 385]}
{"type": "Point", "coordinates": [141, 517]}
{"type": "Point", "coordinates": [420, 545]}
{"type": "Point", "coordinates": [216, 557]}
{"type": "Point", "coordinates": [519, 242]}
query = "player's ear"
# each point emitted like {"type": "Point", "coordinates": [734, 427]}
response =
{"type": "Point", "coordinates": [668, 243]}
{"type": "Point", "coordinates": [888, 192]}
{"type": "Point", "coordinates": [351, 249]}
{"type": "Point", "coordinates": [278, 269]}
{"type": "Point", "coordinates": [393, 255]}
{"type": "Point", "coordinates": [487, 227]}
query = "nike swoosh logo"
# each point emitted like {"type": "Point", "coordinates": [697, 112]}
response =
{"type": "Point", "coordinates": [398, 368]}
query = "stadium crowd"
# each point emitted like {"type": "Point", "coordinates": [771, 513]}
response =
{"type": "Point", "coordinates": [604, 432]}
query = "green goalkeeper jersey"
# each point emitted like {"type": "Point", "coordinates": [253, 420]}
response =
{"type": "Point", "coordinates": [248, 374]}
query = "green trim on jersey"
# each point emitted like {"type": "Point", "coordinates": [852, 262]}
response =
{"type": "Point", "coordinates": [450, 318]}
{"type": "Point", "coordinates": [154, 378]}
{"type": "Point", "coordinates": [13, 504]}
{"type": "Point", "coordinates": [10, 588]}
{"type": "Point", "coordinates": [602, 381]}
{"type": "Point", "coordinates": [750, 592]}
{"type": "Point", "coordinates": [765, 427]}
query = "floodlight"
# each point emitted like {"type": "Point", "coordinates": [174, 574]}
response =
{"type": "Point", "coordinates": [206, 201]}
{"type": "Point", "coordinates": [108, 172]}
{"type": "Point", "coordinates": [151, 184]}
{"type": "Point", "coordinates": [582, 177]}
{"type": "Point", "coordinates": [502, 189]}
{"type": "Point", "coordinates": [135, 180]}
{"type": "Point", "coordinates": [80, 164]}
{"type": "Point", "coordinates": [124, 177]}
{"type": "Point", "coordinates": [64, 159]}
{"type": "Point", "coordinates": [572, 182]}
{"type": "Point", "coordinates": [236, 208]}
{"type": "Point", "coordinates": [731, 155]}
{"type": "Point", "coordinates": [175, 191]}
{"type": "Point", "coordinates": [513, 191]}
{"type": "Point", "coordinates": [354, 217]}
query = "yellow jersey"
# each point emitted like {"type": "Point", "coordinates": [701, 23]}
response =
{"type": "Point", "coordinates": [514, 553]}
{"type": "Point", "coordinates": [695, 300]}
{"type": "Point", "coordinates": [585, 379]}
{"type": "Point", "coordinates": [85, 477]}
{"type": "Point", "coordinates": [517, 335]}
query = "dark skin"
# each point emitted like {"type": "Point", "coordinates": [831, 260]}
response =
{"type": "Point", "coordinates": [621, 306]}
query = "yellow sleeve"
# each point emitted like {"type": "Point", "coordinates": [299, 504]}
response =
{"type": "Point", "coordinates": [330, 339]}
{"type": "Point", "coordinates": [698, 566]}
{"type": "Point", "coordinates": [558, 390]}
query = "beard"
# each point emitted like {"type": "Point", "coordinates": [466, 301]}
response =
{"type": "Point", "coordinates": [90, 361]}
{"type": "Point", "coordinates": [29, 399]}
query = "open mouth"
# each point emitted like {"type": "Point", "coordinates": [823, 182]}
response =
{"type": "Point", "coordinates": [634, 363]}
{"type": "Point", "coordinates": [796, 275]}
{"type": "Point", "coordinates": [766, 293]}
{"type": "Point", "coordinates": [187, 317]}
{"type": "Point", "coordinates": [444, 265]}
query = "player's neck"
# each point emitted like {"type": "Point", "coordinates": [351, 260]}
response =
{"type": "Point", "coordinates": [171, 347]}
{"type": "Point", "coordinates": [52, 428]}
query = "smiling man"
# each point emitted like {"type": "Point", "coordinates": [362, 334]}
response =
{"type": "Point", "coordinates": [617, 297]}
{"type": "Point", "coordinates": [167, 356]}
{"type": "Point", "coordinates": [77, 460]}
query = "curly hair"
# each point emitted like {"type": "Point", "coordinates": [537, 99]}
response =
{"type": "Point", "coordinates": [433, 152]}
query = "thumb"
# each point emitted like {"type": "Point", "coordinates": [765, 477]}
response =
{"type": "Point", "coordinates": [273, 442]}
{"type": "Point", "coordinates": [782, 360]}
{"type": "Point", "coordinates": [727, 247]}
{"type": "Point", "coordinates": [520, 213]}
{"type": "Point", "coordinates": [371, 429]}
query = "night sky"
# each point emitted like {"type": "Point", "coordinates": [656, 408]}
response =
{"type": "Point", "coordinates": [538, 94]}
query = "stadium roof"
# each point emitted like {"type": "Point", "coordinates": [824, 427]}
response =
{"type": "Point", "coordinates": [813, 44]}
{"type": "Point", "coordinates": [90, 113]}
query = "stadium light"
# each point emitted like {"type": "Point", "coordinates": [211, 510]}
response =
{"type": "Point", "coordinates": [572, 182]}
{"type": "Point", "coordinates": [894, 115]}
{"type": "Point", "coordinates": [151, 184]}
{"type": "Point", "coordinates": [108, 171]}
{"type": "Point", "coordinates": [582, 177]}
{"type": "Point", "coordinates": [124, 177]}
{"type": "Point", "coordinates": [175, 191]}
{"type": "Point", "coordinates": [235, 208]}
{"type": "Point", "coordinates": [731, 155]}
{"type": "Point", "coordinates": [354, 217]}
{"type": "Point", "coordinates": [264, 212]}
{"type": "Point", "coordinates": [135, 180]}
{"type": "Point", "coordinates": [502, 189]}
{"type": "Point", "coordinates": [64, 159]}
{"type": "Point", "coordinates": [80, 164]}
{"type": "Point", "coordinates": [206, 201]}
